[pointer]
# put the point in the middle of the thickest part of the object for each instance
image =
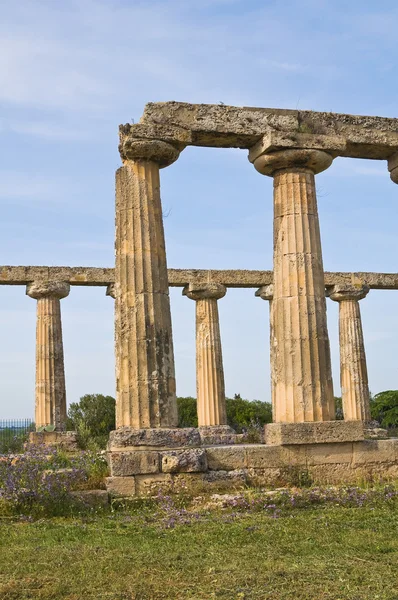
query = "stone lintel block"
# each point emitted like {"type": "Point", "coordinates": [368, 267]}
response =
{"type": "Point", "coordinates": [317, 432]}
{"type": "Point", "coordinates": [67, 440]}
{"type": "Point", "coordinates": [226, 458]}
{"type": "Point", "coordinates": [120, 486]}
{"type": "Point", "coordinates": [159, 437]}
{"type": "Point", "coordinates": [375, 451]}
{"type": "Point", "coordinates": [278, 140]}
{"type": "Point", "coordinates": [184, 461]}
{"type": "Point", "coordinates": [125, 463]}
{"type": "Point", "coordinates": [336, 453]}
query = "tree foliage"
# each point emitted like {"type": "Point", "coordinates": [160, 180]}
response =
{"type": "Point", "coordinates": [384, 408]}
{"type": "Point", "coordinates": [93, 417]}
{"type": "Point", "coordinates": [187, 413]}
{"type": "Point", "coordinates": [241, 414]}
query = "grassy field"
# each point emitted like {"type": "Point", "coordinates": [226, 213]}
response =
{"type": "Point", "coordinates": [324, 553]}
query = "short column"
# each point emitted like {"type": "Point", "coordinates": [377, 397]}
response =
{"type": "Point", "coordinates": [303, 387]}
{"type": "Point", "coordinates": [145, 377]}
{"type": "Point", "coordinates": [353, 370]}
{"type": "Point", "coordinates": [209, 364]}
{"type": "Point", "coordinates": [266, 292]}
{"type": "Point", "coordinates": [50, 408]}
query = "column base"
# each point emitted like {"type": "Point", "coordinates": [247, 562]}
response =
{"type": "Point", "coordinates": [212, 435]}
{"type": "Point", "coordinates": [318, 432]}
{"type": "Point", "coordinates": [157, 453]}
{"type": "Point", "coordinates": [67, 440]}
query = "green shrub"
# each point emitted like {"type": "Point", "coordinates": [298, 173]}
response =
{"type": "Point", "coordinates": [187, 413]}
{"type": "Point", "coordinates": [384, 408]}
{"type": "Point", "coordinates": [93, 417]}
{"type": "Point", "coordinates": [242, 415]}
{"type": "Point", "coordinates": [245, 414]}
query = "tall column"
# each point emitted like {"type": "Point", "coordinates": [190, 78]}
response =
{"type": "Point", "coordinates": [209, 365]}
{"type": "Point", "coordinates": [50, 406]}
{"type": "Point", "coordinates": [266, 292]}
{"type": "Point", "coordinates": [353, 370]}
{"type": "Point", "coordinates": [145, 378]}
{"type": "Point", "coordinates": [303, 384]}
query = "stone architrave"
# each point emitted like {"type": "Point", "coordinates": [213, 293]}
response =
{"type": "Point", "coordinates": [303, 387]}
{"type": "Point", "coordinates": [266, 292]}
{"type": "Point", "coordinates": [50, 408]}
{"type": "Point", "coordinates": [145, 376]}
{"type": "Point", "coordinates": [353, 370]}
{"type": "Point", "coordinates": [210, 385]}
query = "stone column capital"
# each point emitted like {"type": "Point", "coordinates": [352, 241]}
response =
{"type": "Point", "coordinates": [339, 293]}
{"type": "Point", "coordinates": [393, 167]}
{"type": "Point", "coordinates": [295, 159]}
{"type": "Point", "coordinates": [111, 290]}
{"type": "Point", "coordinates": [158, 151]}
{"type": "Point", "coordinates": [204, 291]}
{"type": "Point", "coordinates": [265, 292]}
{"type": "Point", "coordinates": [48, 289]}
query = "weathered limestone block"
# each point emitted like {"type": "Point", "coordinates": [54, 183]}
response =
{"type": "Point", "coordinates": [121, 486]}
{"type": "Point", "coordinates": [123, 464]}
{"type": "Point", "coordinates": [184, 461]}
{"type": "Point", "coordinates": [209, 365]}
{"type": "Point", "coordinates": [93, 498]}
{"type": "Point", "coordinates": [145, 377]}
{"type": "Point", "coordinates": [50, 406]}
{"type": "Point", "coordinates": [353, 370]}
{"type": "Point", "coordinates": [324, 454]}
{"type": "Point", "coordinates": [219, 434]}
{"type": "Point", "coordinates": [375, 451]}
{"type": "Point", "coordinates": [313, 433]}
{"type": "Point", "coordinates": [225, 479]}
{"type": "Point", "coordinates": [149, 485]}
{"type": "Point", "coordinates": [221, 458]}
{"type": "Point", "coordinates": [160, 437]}
{"type": "Point", "coordinates": [262, 456]}
{"type": "Point", "coordinates": [67, 440]}
{"type": "Point", "coordinates": [303, 387]}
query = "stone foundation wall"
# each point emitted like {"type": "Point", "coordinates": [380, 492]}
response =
{"type": "Point", "coordinates": [216, 468]}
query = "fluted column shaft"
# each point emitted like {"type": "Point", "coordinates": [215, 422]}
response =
{"type": "Point", "coordinates": [353, 369]}
{"type": "Point", "coordinates": [210, 387]}
{"type": "Point", "coordinates": [145, 377]}
{"type": "Point", "coordinates": [266, 292]}
{"type": "Point", "coordinates": [50, 405]}
{"type": "Point", "coordinates": [303, 385]}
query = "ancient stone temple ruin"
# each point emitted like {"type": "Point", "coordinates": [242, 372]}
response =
{"type": "Point", "coordinates": [147, 448]}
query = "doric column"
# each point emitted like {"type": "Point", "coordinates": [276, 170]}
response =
{"type": "Point", "coordinates": [353, 370]}
{"type": "Point", "coordinates": [209, 365]}
{"type": "Point", "coordinates": [50, 406]}
{"type": "Point", "coordinates": [266, 292]}
{"type": "Point", "coordinates": [303, 385]}
{"type": "Point", "coordinates": [145, 378]}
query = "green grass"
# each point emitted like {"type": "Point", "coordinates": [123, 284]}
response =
{"type": "Point", "coordinates": [319, 554]}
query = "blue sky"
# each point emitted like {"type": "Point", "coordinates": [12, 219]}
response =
{"type": "Point", "coordinates": [71, 71]}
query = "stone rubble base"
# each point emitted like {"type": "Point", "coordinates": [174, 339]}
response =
{"type": "Point", "coordinates": [217, 468]}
